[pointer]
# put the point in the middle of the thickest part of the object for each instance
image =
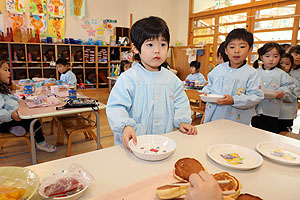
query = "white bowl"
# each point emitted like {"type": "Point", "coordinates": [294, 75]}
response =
{"type": "Point", "coordinates": [152, 147]}
{"type": "Point", "coordinates": [270, 94]}
{"type": "Point", "coordinates": [20, 177]}
{"type": "Point", "coordinates": [211, 98]}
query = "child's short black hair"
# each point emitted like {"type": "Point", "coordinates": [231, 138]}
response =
{"type": "Point", "coordinates": [221, 51]}
{"type": "Point", "coordinates": [240, 34]}
{"type": "Point", "coordinates": [148, 28]}
{"type": "Point", "coordinates": [62, 61]}
{"type": "Point", "coordinates": [123, 63]}
{"type": "Point", "coordinates": [295, 49]}
{"type": "Point", "coordinates": [195, 64]}
{"type": "Point", "coordinates": [3, 86]}
{"type": "Point", "coordinates": [289, 56]}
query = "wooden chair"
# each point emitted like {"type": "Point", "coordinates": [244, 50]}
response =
{"type": "Point", "coordinates": [197, 106]}
{"type": "Point", "coordinates": [74, 124]}
{"type": "Point", "coordinates": [9, 137]}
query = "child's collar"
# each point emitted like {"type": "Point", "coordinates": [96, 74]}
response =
{"type": "Point", "coordinates": [263, 66]}
{"type": "Point", "coordinates": [66, 71]}
{"type": "Point", "coordinates": [159, 68]}
{"type": "Point", "coordinates": [244, 63]}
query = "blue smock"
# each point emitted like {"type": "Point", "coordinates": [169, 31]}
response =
{"type": "Point", "coordinates": [149, 102]}
{"type": "Point", "coordinates": [8, 104]}
{"type": "Point", "coordinates": [196, 77]}
{"type": "Point", "coordinates": [275, 79]}
{"type": "Point", "coordinates": [69, 78]}
{"type": "Point", "coordinates": [242, 84]}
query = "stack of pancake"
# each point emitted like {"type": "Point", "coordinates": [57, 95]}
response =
{"type": "Point", "coordinates": [184, 167]}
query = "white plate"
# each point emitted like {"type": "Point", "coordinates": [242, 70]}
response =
{"type": "Point", "coordinates": [152, 147]}
{"type": "Point", "coordinates": [280, 152]}
{"type": "Point", "coordinates": [235, 157]}
{"type": "Point", "coordinates": [211, 98]}
{"type": "Point", "coordinates": [270, 94]}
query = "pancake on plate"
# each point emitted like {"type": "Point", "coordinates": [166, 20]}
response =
{"type": "Point", "coordinates": [184, 167]}
{"type": "Point", "coordinates": [171, 191]}
{"type": "Point", "coordinates": [248, 197]}
{"type": "Point", "coordinates": [233, 185]}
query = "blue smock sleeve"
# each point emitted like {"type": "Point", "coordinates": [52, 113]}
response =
{"type": "Point", "coordinates": [5, 115]}
{"type": "Point", "coordinates": [73, 79]}
{"type": "Point", "coordinates": [118, 104]}
{"type": "Point", "coordinates": [181, 106]}
{"type": "Point", "coordinates": [252, 96]}
{"type": "Point", "coordinates": [210, 79]}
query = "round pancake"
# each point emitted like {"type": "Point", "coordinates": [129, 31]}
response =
{"type": "Point", "coordinates": [171, 191]}
{"type": "Point", "coordinates": [184, 167]}
{"type": "Point", "coordinates": [234, 183]}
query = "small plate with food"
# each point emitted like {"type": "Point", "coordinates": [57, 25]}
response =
{"type": "Point", "coordinates": [211, 98]}
{"type": "Point", "coordinates": [66, 184]}
{"type": "Point", "coordinates": [18, 183]}
{"type": "Point", "coordinates": [152, 147]}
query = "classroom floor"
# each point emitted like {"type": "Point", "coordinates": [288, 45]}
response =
{"type": "Point", "coordinates": [17, 153]}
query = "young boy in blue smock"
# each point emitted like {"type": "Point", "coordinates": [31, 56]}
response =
{"type": "Point", "coordinates": [67, 76]}
{"type": "Point", "coordinates": [236, 80]}
{"type": "Point", "coordinates": [147, 98]}
{"type": "Point", "coordinates": [195, 75]}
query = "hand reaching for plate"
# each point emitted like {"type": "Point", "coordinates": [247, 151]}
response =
{"type": "Point", "coordinates": [128, 133]}
{"type": "Point", "coordinates": [228, 100]}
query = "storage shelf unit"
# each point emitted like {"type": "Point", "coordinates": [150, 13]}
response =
{"type": "Point", "coordinates": [90, 63]}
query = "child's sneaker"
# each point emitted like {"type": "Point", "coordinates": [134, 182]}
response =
{"type": "Point", "coordinates": [46, 147]}
{"type": "Point", "coordinates": [17, 130]}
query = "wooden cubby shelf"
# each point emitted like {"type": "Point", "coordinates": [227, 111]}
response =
{"type": "Point", "coordinates": [90, 63]}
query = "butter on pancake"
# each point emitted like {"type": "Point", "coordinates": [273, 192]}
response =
{"type": "Point", "coordinates": [171, 191]}
{"type": "Point", "coordinates": [248, 197]}
{"type": "Point", "coordinates": [184, 167]}
{"type": "Point", "coordinates": [234, 184]}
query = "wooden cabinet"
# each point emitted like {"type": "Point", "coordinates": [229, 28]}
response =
{"type": "Point", "coordinates": [91, 64]}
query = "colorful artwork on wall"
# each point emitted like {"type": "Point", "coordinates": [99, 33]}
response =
{"type": "Point", "coordinates": [56, 27]}
{"type": "Point", "coordinates": [77, 8]}
{"type": "Point", "coordinates": [56, 8]}
{"type": "Point", "coordinates": [16, 21]}
{"type": "Point", "coordinates": [37, 6]}
{"type": "Point", "coordinates": [38, 22]}
{"type": "Point", "coordinates": [15, 6]}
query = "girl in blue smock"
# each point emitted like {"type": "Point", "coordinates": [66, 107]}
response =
{"type": "Point", "coordinates": [10, 121]}
{"type": "Point", "coordinates": [295, 52]}
{"type": "Point", "coordinates": [147, 98]}
{"type": "Point", "coordinates": [195, 75]}
{"type": "Point", "coordinates": [272, 78]}
{"type": "Point", "coordinates": [289, 107]}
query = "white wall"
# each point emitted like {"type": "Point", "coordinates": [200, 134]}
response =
{"type": "Point", "coordinates": [174, 12]}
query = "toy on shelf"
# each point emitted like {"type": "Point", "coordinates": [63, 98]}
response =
{"type": "Point", "coordinates": [49, 55]}
{"type": "Point", "coordinates": [17, 36]}
{"type": "Point", "coordinates": [78, 56]}
{"type": "Point", "coordinates": [65, 54]}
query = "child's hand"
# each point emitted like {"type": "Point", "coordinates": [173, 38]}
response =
{"type": "Point", "coordinates": [188, 129]}
{"type": "Point", "coordinates": [204, 93]}
{"type": "Point", "coordinates": [205, 83]}
{"type": "Point", "coordinates": [228, 100]}
{"type": "Point", "coordinates": [128, 133]}
{"type": "Point", "coordinates": [203, 186]}
{"type": "Point", "coordinates": [15, 116]}
{"type": "Point", "coordinates": [280, 94]}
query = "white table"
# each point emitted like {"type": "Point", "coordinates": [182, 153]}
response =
{"type": "Point", "coordinates": [35, 113]}
{"type": "Point", "coordinates": [116, 167]}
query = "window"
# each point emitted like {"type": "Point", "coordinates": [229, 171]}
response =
{"type": "Point", "coordinates": [273, 36]}
{"type": "Point", "coordinates": [233, 18]}
{"type": "Point", "coordinates": [275, 12]}
{"type": "Point", "coordinates": [273, 24]}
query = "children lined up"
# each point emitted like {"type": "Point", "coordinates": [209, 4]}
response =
{"type": "Point", "coordinates": [274, 78]}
